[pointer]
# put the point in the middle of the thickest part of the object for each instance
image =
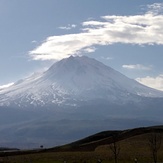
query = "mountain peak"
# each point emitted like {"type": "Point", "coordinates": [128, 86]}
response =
{"type": "Point", "coordinates": [81, 62]}
{"type": "Point", "coordinates": [75, 79]}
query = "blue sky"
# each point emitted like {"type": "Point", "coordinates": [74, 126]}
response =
{"type": "Point", "coordinates": [126, 35]}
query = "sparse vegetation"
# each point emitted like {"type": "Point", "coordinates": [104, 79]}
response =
{"type": "Point", "coordinates": [133, 146]}
{"type": "Point", "coordinates": [155, 140]}
{"type": "Point", "coordinates": [115, 147]}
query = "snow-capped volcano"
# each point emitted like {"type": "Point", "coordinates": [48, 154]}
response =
{"type": "Point", "coordinates": [72, 80]}
{"type": "Point", "coordinates": [74, 98]}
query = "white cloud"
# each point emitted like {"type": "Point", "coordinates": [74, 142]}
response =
{"type": "Point", "coordinates": [34, 42]}
{"type": "Point", "coordinates": [58, 47]}
{"type": "Point", "coordinates": [107, 58]}
{"type": "Point", "coordinates": [6, 85]}
{"type": "Point", "coordinates": [156, 82]}
{"type": "Point", "coordinates": [137, 67]}
{"type": "Point", "coordinates": [89, 49]}
{"type": "Point", "coordinates": [155, 8]}
{"type": "Point", "coordinates": [135, 29]}
{"type": "Point", "coordinates": [70, 26]}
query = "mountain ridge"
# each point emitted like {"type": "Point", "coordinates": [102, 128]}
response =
{"type": "Point", "coordinates": [74, 79]}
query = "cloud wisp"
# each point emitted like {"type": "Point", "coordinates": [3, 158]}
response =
{"type": "Point", "coordinates": [137, 67]}
{"type": "Point", "coordinates": [153, 82]}
{"type": "Point", "coordinates": [145, 29]}
{"type": "Point", "coordinates": [70, 26]}
{"type": "Point", "coordinates": [155, 8]}
{"type": "Point", "coordinates": [6, 85]}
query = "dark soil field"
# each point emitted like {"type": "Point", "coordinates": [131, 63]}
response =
{"type": "Point", "coordinates": [133, 144]}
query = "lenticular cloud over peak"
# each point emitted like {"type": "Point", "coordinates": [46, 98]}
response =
{"type": "Point", "coordinates": [133, 29]}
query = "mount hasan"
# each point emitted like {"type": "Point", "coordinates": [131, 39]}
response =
{"type": "Point", "coordinates": [74, 98]}
{"type": "Point", "coordinates": [72, 81]}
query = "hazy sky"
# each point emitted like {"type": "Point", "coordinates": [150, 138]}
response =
{"type": "Point", "coordinates": [126, 35]}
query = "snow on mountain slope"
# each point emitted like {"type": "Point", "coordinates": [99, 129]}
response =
{"type": "Point", "coordinates": [71, 80]}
